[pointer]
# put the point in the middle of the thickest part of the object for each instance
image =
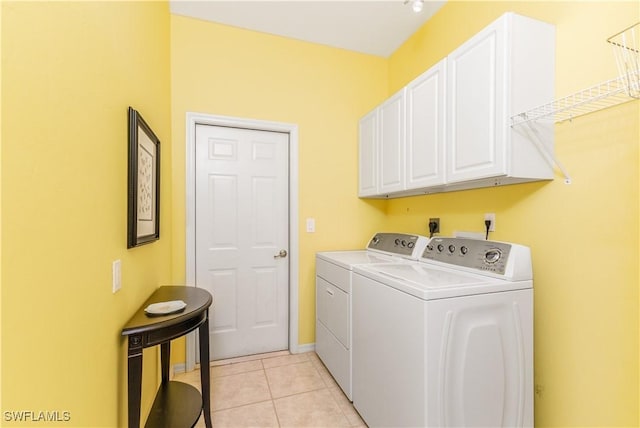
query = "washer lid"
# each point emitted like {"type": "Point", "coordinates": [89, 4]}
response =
{"type": "Point", "coordinates": [348, 259]}
{"type": "Point", "coordinates": [429, 282]}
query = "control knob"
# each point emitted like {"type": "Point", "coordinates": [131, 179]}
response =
{"type": "Point", "coordinates": [492, 255]}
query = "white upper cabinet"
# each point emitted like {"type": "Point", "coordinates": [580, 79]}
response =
{"type": "Point", "coordinates": [507, 65]}
{"type": "Point", "coordinates": [425, 151]}
{"type": "Point", "coordinates": [449, 128]}
{"type": "Point", "coordinates": [402, 140]}
{"type": "Point", "coordinates": [391, 144]}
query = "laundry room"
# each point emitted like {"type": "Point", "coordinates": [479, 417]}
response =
{"type": "Point", "coordinates": [70, 70]}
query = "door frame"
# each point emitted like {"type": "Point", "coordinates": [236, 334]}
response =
{"type": "Point", "coordinates": [194, 119]}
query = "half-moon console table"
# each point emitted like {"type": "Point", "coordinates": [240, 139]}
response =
{"type": "Point", "coordinates": [177, 404]}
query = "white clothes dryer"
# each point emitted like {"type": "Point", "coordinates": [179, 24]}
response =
{"type": "Point", "coordinates": [446, 341]}
{"type": "Point", "coordinates": [333, 296]}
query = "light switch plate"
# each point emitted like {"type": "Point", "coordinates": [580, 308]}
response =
{"type": "Point", "coordinates": [311, 225]}
{"type": "Point", "coordinates": [116, 270]}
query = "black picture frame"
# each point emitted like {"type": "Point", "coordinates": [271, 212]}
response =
{"type": "Point", "coordinates": [143, 207]}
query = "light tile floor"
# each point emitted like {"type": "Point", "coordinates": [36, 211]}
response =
{"type": "Point", "coordinates": [275, 390]}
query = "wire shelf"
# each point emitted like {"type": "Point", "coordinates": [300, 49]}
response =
{"type": "Point", "coordinates": [624, 88]}
{"type": "Point", "coordinates": [626, 49]}
{"type": "Point", "coordinates": [603, 95]}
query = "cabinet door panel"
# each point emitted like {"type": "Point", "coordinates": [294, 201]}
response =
{"type": "Point", "coordinates": [425, 129]}
{"type": "Point", "coordinates": [476, 115]}
{"type": "Point", "coordinates": [367, 180]}
{"type": "Point", "coordinates": [391, 150]}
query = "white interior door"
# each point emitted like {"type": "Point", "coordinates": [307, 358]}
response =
{"type": "Point", "coordinates": [242, 237]}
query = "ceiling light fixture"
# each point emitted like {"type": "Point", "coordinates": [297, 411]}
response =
{"type": "Point", "coordinates": [416, 5]}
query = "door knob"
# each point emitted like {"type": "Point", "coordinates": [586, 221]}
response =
{"type": "Point", "coordinates": [282, 254]}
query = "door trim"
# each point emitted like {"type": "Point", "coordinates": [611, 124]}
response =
{"type": "Point", "coordinates": [194, 119]}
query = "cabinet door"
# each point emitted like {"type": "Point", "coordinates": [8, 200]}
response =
{"type": "Point", "coordinates": [425, 138]}
{"type": "Point", "coordinates": [368, 134]}
{"type": "Point", "coordinates": [476, 117]}
{"type": "Point", "coordinates": [391, 144]}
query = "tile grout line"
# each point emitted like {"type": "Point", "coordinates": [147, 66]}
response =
{"type": "Point", "coordinates": [338, 391]}
{"type": "Point", "coordinates": [241, 406]}
{"type": "Point", "coordinates": [233, 374]}
{"type": "Point", "coordinates": [273, 404]}
{"type": "Point", "coordinates": [296, 393]}
{"type": "Point", "coordinates": [327, 387]}
{"type": "Point", "coordinates": [335, 400]}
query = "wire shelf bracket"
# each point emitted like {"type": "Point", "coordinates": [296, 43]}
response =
{"type": "Point", "coordinates": [549, 156]}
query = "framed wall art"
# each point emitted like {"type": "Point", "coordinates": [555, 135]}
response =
{"type": "Point", "coordinates": [143, 208]}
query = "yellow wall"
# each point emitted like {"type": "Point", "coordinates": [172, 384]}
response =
{"type": "Point", "coordinates": [0, 208]}
{"type": "Point", "coordinates": [222, 70]}
{"type": "Point", "coordinates": [69, 72]}
{"type": "Point", "coordinates": [583, 236]}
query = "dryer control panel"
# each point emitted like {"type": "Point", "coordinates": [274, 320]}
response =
{"type": "Point", "coordinates": [500, 259]}
{"type": "Point", "coordinates": [401, 244]}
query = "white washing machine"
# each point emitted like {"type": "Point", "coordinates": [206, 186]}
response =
{"type": "Point", "coordinates": [446, 341]}
{"type": "Point", "coordinates": [333, 296]}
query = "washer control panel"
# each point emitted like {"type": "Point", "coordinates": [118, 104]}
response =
{"type": "Point", "coordinates": [401, 244]}
{"type": "Point", "coordinates": [488, 256]}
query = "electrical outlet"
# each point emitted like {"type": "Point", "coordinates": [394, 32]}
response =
{"type": "Point", "coordinates": [492, 218]}
{"type": "Point", "coordinates": [116, 272]}
{"type": "Point", "coordinates": [435, 220]}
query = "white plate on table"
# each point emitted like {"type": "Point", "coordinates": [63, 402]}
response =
{"type": "Point", "coordinates": [165, 308]}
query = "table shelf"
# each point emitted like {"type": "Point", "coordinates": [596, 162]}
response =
{"type": "Point", "coordinates": [177, 404]}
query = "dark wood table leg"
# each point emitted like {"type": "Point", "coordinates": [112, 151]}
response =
{"type": "Point", "coordinates": [205, 371]}
{"type": "Point", "coordinates": [134, 374]}
{"type": "Point", "coordinates": [165, 358]}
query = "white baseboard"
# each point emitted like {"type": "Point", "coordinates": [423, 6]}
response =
{"type": "Point", "coordinates": [179, 368]}
{"type": "Point", "coordinates": [300, 349]}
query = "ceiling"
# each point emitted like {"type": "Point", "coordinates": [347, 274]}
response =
{"type": "Point", "coordinates": [372, 27]}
